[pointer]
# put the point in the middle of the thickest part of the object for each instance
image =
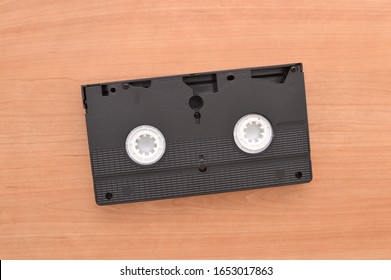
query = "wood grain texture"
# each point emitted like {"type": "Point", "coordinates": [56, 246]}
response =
{"type": "Point", "coordinates": [49, 48]}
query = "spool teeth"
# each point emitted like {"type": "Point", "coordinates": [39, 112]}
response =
{"type": "Point", "coordinates": [249, 132]}
{"type": "Point", "coordinates": [145, 138]}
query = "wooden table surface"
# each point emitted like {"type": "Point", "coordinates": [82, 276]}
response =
{"type": "Point", "coordinates": [49, 48]}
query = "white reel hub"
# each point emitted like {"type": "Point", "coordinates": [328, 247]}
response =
{"type": "Point", "coordinates": [145, 145]}
{"type": "Point", "coordinates": [253, 133]}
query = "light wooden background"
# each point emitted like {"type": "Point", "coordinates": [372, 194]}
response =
{"type": "Point", "coordinates": [49, 48]}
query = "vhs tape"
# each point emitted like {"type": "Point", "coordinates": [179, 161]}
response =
{"type": "Point", "coordinates": [196, 134]}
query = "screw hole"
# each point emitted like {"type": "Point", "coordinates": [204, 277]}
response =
{"type": "Point", "coordinates": [109, 195]}
{"type": "Point", "coordinates": [230, 77]}
{"type": "Point", "coordinates": [113, 90]}
{"type": "Point", "coordinates": [202, 168]}
{"type": "Point", "coordinates": [298, 175]}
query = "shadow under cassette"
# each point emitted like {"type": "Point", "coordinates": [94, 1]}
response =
{"type": "Point", "coordinates": [198, 134]}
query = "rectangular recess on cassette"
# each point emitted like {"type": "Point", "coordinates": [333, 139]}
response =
{"type": "Point", "coordinates": [197, 134]}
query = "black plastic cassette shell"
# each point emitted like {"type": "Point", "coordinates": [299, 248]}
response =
{"type": "Point", "coordinates": [114, 109]}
